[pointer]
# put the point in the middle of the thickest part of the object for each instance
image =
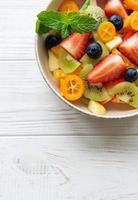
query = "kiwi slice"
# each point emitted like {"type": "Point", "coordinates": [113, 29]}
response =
{"type": "Point", "coordinates": [87, 60]}
{"type": "Point", "coordinates": [96, 92]}
{"type": "Point", "coordinates": [67, 63]}
{"type": "Point", "coordinates": [127, 92]}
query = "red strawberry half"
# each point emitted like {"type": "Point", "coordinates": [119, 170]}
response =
{"type": "Point", "coordinates": [111, 84]}
{"type": "Point", "coordinates": [108, 69]}
{"type": "Point", "coordinates": [76, 44]}
{"type": "Point", "coordinates": [130, 48]}
{"type": "Point", "coordinates": [128, 34]}
{"type": "Point", "coordinates": [115, 7]}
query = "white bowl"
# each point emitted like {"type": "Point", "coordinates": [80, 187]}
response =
{"type": "Point", "coordinates": [113, 111]}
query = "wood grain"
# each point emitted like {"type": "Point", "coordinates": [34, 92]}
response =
{"type": "Point", "coordinates": [63, 155]}
{"type": "Point", "coordinates": [17, 30]}
{"type": "Point", "coordinates": [75, 168]}
{"type": "Point", "coordinates": [28, 107]}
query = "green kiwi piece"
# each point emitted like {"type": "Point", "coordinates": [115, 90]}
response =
{"type": "Point", "coordinates": [127, 92]}
{"type": "Point", "coordinates": [67, 63]}
{"type": "Point", "coordinates": [96, 92]}
{"type": "Point", "coordinates": [86, 69]}
{"type": "Point", "coordinates": [87, 60]}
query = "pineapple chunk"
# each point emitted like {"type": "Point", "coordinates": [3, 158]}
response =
{"type": "Point", "coordinates": [114, 43]}
{"type": "Point", "coordinates": [96, 108]}
{"type": "Point", "coordinates": [53, 61]}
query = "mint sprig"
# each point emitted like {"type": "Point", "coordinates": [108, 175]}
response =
{"type": "Point", "coordinates": [84, 24]}
{"type": "Point", "coordinates": [41, 28]}
{"type": "Point", "coordinates": [65, 23]}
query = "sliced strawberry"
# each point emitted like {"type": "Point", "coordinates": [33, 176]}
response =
{"type": "Point", "coordinates": [111, 84]}
{"type": "Point", "coordinates": [108, 69]}
{"type": "Point", "coordinates": [128, 34]}
{"type": "Point", "coordinates": [76, 44]}
{"type": "Point", "coordinates": [129, 48]}
{"type": "Point", "coordinates": [115, 7]}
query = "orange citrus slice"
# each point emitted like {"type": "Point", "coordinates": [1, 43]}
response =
{"type": "Point", "coordinates": [69, 5]}
{"type": "Point", "coordinates": [72, 87]}
{"type": "Point", "coordinates": [134, 21]}
{"type": "Point", "coordinates": [106, 31]}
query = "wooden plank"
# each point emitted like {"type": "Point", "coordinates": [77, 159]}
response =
{"type": "Point", "coordinates": [28, 107]}
{"type": "Point", "coordinates": [75, 168]}
{"type": "Point", "coordinates": [17, 30]}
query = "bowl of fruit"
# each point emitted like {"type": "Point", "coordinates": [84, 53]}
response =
{"type": "Point", "coordinates": [87, 52]}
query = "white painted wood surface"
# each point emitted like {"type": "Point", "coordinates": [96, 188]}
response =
{"type": "Point", "coordinates": [47, 150]}
{"type": "Point", "coordinates": [75, 168]}
{"type": "Point", "coordinates": [27, 106]}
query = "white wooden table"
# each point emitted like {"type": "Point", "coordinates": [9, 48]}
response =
{"type": "Point", "coordinates": [47, 150]}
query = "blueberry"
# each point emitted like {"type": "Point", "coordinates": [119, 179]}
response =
{"type": "Point", "coordinates": [117, 21]}
{"type": "Point", "coordinates": [94, 50]}
{"type": "Point", "coordinates": [131, 75]}
{"type": "Point", "coordinates": [52, 40]}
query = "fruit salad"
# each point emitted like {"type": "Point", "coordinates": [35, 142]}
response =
{"type": "Point", "coordinates": [93, 51]}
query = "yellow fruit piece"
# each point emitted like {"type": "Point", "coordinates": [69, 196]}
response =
{"type": "Point", "coordinates": [72, 87]}
{"type": "Point", "coordinates": [61, 82]}
{"type": "Point", "coordinates": [53, 61]}
{"type": "Point", "coordinates": [131, 4]}
{"type": "Point", "coordinates": [69, 5]}
{"type": "Point", "coordinates": [131, 22]}
{"type": "Point", "coordinates": [58, 74]}
{"type": "Point", "coordinates": [127, 22]}
{"type": "Point", "coordinates": [134, 21]}
{"type": "Point", "coordinates": [106, 31]}
{"type": "Point", "coordinates": [56, 50]}
{"type": "Point", "coordinates": [114, 43]}
{"type": "Point", "coordinates": [96, 108]}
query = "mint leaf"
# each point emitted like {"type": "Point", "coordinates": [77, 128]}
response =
{"type": "Point", "coordinates": [65, 31]}
{"type": "Point", "coordinates": [53, 19]}
{"type": "Point", "coordinates": [65, 22]}
{"type": "Point", "coordinates": [84, 24]}
{"type": "Point", "coordinates": [41, 28]}
{"type": "Point", "coordinates": [72, 15]}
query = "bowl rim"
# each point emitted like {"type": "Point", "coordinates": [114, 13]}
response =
{"type": "Point", "coordinates": [63, 99]}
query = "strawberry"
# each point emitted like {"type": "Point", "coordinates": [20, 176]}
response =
{"type": "Point", "coordinates": [76, 44]}
{"type": "Point", "coordinates": [128, 34]}
{"type": "Point", "coordinates": [108, 69]}
{"type": "Point", "coordinates": [129, 48]}
{"type": "Point", "coordinates": [115, 7]}
{"type": "Point", "coordinates": [111, 84]}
